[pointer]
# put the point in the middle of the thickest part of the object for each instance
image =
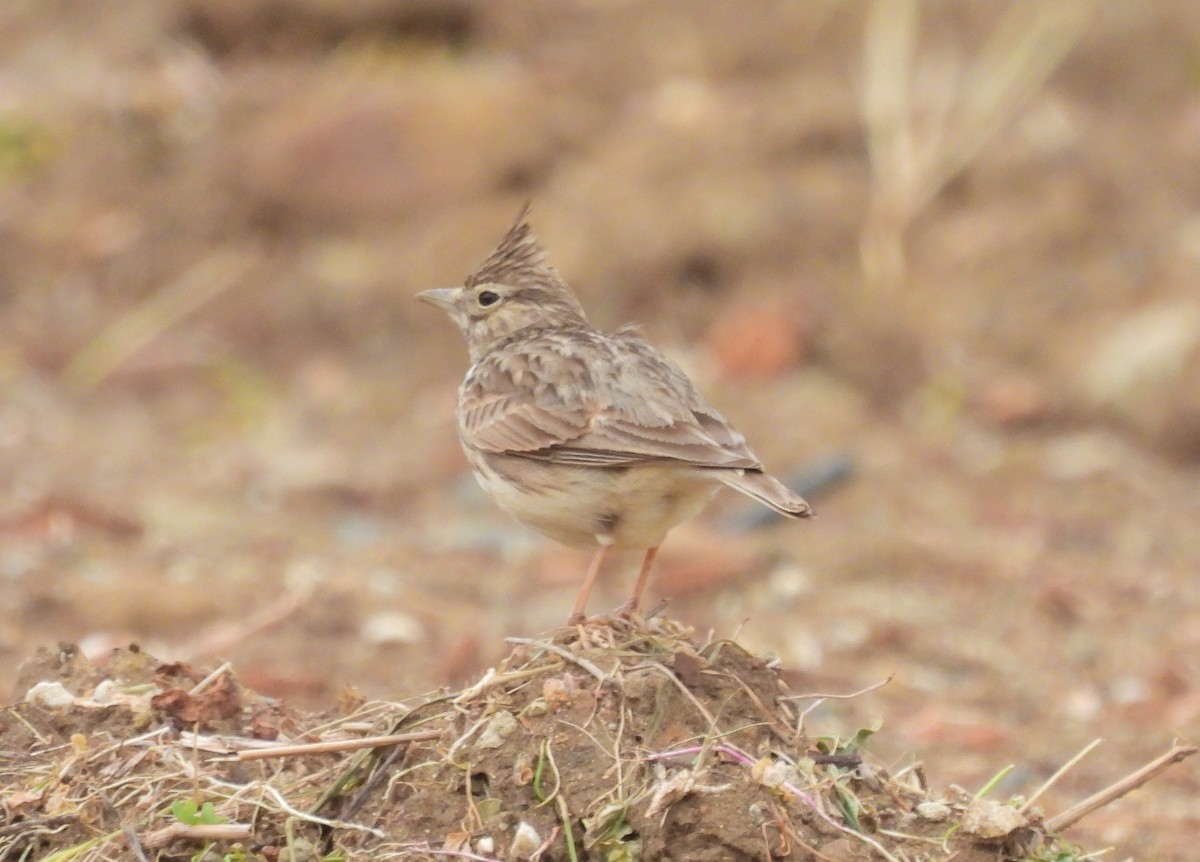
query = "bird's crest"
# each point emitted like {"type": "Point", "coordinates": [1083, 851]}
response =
{"type": "Point", "coordinates": [519, 258]}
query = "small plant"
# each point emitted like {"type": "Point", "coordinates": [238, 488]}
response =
{"type": "Point", "coordinates": [837, 746]}
{"type": "Point", "coordinates": [191, 813]}
{"type": "Point", "coordinates": [610, 834]}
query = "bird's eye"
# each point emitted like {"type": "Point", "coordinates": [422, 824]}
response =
{"type": "Point", "coordinates": [488, 297]}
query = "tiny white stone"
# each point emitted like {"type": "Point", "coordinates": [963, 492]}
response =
{"type": "Point", "coordinates": [498, 728]}
{"type": "Point", "coordinates": [52, 695]}
{"type": "Point", "coordinates": [104, 692]}
{"type": "Point", "coordinates": [779, 773]}
{"type": "Point", "coordinates": [935, 812]}
{"type": "Point", "coordinates": [392, 627]}
{"type": "Point", "coordinates": [525, 843]}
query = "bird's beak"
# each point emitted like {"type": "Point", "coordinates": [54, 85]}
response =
{"type": "Point", "coordinates": [440, 297]}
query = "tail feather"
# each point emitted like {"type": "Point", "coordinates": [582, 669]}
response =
{"type": "Point", "coordinates": [769, 491]}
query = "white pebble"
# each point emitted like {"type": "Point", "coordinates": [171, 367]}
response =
{"type": "Point", "coordinates": [104, 692]}
{"type": "Point", "coordinates": [392, 627]}
{"type": "Point", "coordinates": [935, 812]}
{"type": "Point", "coordinates": [52, 695]}
{"type": "Point", "coordinates": [525, 843]}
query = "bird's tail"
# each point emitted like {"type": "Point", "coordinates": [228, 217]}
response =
{"type": "Point", "coordinates": [767, 490]}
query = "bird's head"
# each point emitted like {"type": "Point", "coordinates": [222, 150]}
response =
{"type": "Point", "coordinates": [512, 290]}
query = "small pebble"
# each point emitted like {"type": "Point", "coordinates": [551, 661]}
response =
{"type": "Point", "coordinates": [525, 843]}
{"type": "Point", "coordinates": [935, 812]}
{"type": "Point", "coordinates": [52, 695]}
{"type": "Point", "coordinates": [392, 627]}
{"type": "Point", "coordinates": [988, 819]}
{"type": "Point", "coordinates": [499, 727]}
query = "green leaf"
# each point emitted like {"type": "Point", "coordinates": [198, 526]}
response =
{"type": "Point", "coordinates": [184, 810]}
{"type": "Point", "coordinates": [209, 816]}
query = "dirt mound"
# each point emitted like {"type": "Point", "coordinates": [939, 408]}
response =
{"type": "Point", "coordinates": [615, 741]}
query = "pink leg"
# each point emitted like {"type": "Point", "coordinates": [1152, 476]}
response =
{"type": "Point", "coordinates": [589, 581]}
{"type": "Point", "coordinates": [639, 585]}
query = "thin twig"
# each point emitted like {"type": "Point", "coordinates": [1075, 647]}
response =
{"type": "Point", "coordinates": [1116, 790]}
{"type": "Point", "coordinates": [1062, 770]}
{"type": "Point", "coordinates": [550, 839]}
{"type": "Point", "coordinates": [337, 745]}
{"type": "Point", "coordinates": [196, 832]}
{"type": "Point", "coordinates": [825, 696]}
{"type": "Point", "coordinates": [15, 713]}
{"type": "Point", "coordinates": [210, 679]}
{"type": "Point", "coordinates": [221, 638]}
{"type": "Point", "coordinates": [222, 744]}
{"type": "Point", "coordinates": [462, 740]}
{"type": "Point", "coordinates": [771, 722]}
{"type": "Point", "coordinates": [312, 818]}
{"type": "Point", "coordinates": [559, 651]}
{"type": "Point", "coordinates": [493, 678]}
{"type": "Point", "coordinates": [204, 281]}
{"type": "Point", "coordinates": [678, 683]}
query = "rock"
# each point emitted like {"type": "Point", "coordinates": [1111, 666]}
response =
{"type": "Point", "coordinates": [52, 695]}
{"type": "Point", "coordinates": [499, 727]}
{"type": "Point", "coordinates": [934, 812]}
{"type": "Point", "coordinates": [989, 820]}
{"type": "Point", "coordinates": [525, 843]}
{"type": "Point", "coordinates": [392, 627]}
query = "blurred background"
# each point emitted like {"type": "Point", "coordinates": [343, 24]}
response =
{"type": "Point", "coordinates": [944, 255]}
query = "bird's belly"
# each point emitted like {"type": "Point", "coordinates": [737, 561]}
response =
{"type": "Point", "coordinates": [630, 507]}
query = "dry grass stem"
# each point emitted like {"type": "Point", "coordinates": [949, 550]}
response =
{"type": "Point", "coordinates": [306, 749]}
{"type": "Point", "coordinates": [1116, 790]}
{"type": "Point", "coordinates": [924, 129]}
{"type": "Point", "coordinates": [160, 838]}
{"type": "Point", "coordinates": [206, 280]}
{"type": "Point", "coordinates": [225, 636]}
{"type": "Point", "coordinates": [590, 667]}
{"type": "Point", "coordinates": [1059, 773]}
{"type": "Point", "coordinates": [827, 696]}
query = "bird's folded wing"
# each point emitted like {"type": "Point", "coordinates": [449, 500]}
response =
{"type": "Point", "coordinates": [619, 404]}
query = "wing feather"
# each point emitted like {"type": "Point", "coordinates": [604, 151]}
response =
{"type": "Point", "coordinates": [580, 397]}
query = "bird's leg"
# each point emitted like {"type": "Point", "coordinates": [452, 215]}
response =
{"type": "Point", "coordinates": [639, 585]}
{"type": "Point", "coordinates": [589, 581]}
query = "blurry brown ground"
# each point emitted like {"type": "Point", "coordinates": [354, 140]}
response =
{"type": "Point", "coordinates": [226, 428]}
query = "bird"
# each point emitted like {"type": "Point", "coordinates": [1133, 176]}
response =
{"type": "Point", "coordinates": [594, 439]}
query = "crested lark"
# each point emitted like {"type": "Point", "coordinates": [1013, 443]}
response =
{"type": "Point", "coordinates": [594, 439]}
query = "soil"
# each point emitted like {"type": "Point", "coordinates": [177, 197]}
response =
{"type": "Point", "coordinates": [226, 428]}
{"type": "Point", "coordinates": [621, 739]}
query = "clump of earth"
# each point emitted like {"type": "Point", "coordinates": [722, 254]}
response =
{"type": "Point", "coordinates": [619, 740]}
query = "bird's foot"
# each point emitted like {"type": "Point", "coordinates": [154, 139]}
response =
{"type": "Point", "coordinates": [629, 611]}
